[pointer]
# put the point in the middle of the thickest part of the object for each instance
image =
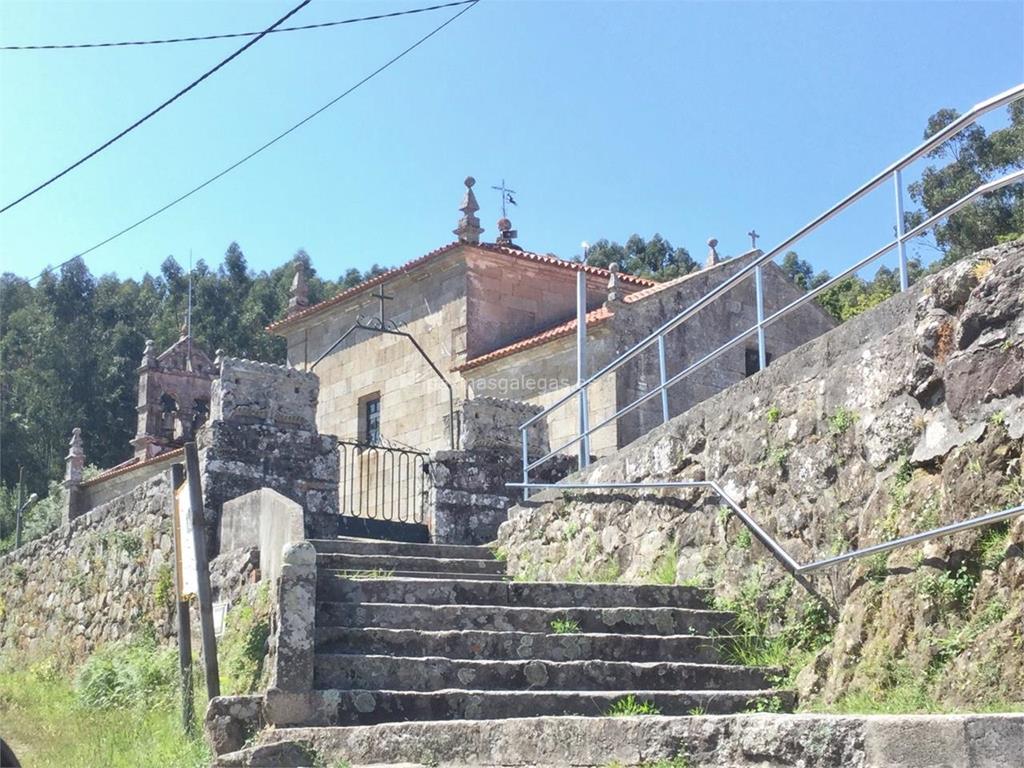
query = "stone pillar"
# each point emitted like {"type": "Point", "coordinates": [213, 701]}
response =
{"type": "Point", "coordinates": [614, 287]}
{"type": "Point", "coordinates": [290, 697]}
{"type": "Point", "coordinates": [712, 253]}
{"type": "Point", "coordinates": [299, 298]}
{"type": "Point", "coordinates": [469, 230]}
{"type": "Point", "coordinates": [73, 477]}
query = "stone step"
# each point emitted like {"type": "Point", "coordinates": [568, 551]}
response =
{"type": "Point", "coordinates": [346, 562]}
{"type": "Point", "coordinates": [420, 576]}
{"type": "Point", "coordinates": [369, 707]}
{"type": "Point", "coordinates": [476, 644]}
{"type": "Point", "coordinates": [431, 673]}
{"type": "Point", "coordinates": [737, 741]}
{"type": "Point", "coordinates": [334, 588]}
{"type": "Point", "coordinates": [664, 621]}
{"type": "Point", "coordinates": [358, 546]}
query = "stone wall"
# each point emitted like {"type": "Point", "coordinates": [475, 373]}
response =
{"type": "Point", "coordinates": [905, 418]}
{"type": "Point", "coordinates": [102, 578]}
{"type": "Point", "coordinates": [93, 493]}
{"type": "Point", "coordinates": [544, 374]}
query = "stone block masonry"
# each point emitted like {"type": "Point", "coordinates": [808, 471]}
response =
{"type": "Point", "coordinates": [262, 434]}
{"type": "Point", "coordinates": [468, 498]}
{"type": "Point", "coordinates": [102, 578]}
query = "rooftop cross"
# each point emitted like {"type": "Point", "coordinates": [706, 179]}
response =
{"type": "Point", "coordinates": [506, 197]}
{"type": "Point", "coordinates": [380, 295]}
{"type": "Point", "coordinates": [752, 234]}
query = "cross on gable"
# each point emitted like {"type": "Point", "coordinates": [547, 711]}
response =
{"type": "Point", "coordinates": [382, 297]}
{"type": "Point", "coordinates": [752, 234]}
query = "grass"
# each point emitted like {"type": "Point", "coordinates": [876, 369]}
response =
{"type": "Point", "coordinates": [665, 567]}
{"type": "Point", "coordinates": [679, 761]}
{"type": "Point", "coordinates": [117, 714]}
{"type": "Point", "coordinates": [773, 414]}
{"type": "Point", "coordinates": [631, 706]}
{"type": "Point", "coordinates": [242, 650]}
{"type": "Point", "coordinates": [565, 626]}
{"type": "Point", "coordinates": [840, 421]}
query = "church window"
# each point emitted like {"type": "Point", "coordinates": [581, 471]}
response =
{"type": "Point", "coordinates": [371, 420]}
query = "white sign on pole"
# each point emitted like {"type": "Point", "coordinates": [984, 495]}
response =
{"type": "Point", "coordinates": [188, 572]}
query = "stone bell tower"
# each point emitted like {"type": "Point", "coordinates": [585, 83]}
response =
{"type": "Point", "coordinates": [174, 396]}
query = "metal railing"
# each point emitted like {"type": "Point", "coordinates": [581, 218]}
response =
{"type": "Point", "coordinates": [382, 482]}
{"type": "Point", "coordinates": [754, 268]}
{"type": "Point", "coordinates": [770, 543]}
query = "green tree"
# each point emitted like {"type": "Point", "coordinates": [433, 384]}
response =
{"type": "Point", "coordinates": [655, 258]}
{"type": "Point", "coordinates": [70, 346]}
{"type": "Point", "coordinates": [972, 158]}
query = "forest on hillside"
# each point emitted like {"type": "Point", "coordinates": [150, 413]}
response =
{"type": "Point", "coordinates": [70, 342]}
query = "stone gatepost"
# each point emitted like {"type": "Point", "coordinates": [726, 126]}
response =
{"type": "Point", "coordinates": [468, 498]}
{"type": "Point", "coordinates": [262, 433]}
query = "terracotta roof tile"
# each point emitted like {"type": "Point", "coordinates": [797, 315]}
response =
{"type": "Point", "coordinates": [133, 463]}
{"type": "Point", "coordinates": [409, 266]}
{"type": "Point", "coordinates": [594, 317]}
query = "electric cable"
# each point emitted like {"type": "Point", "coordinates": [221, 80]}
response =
{"type": "Point", "coordinates": [198, 38]}
{"type": "Point", "coordinates": [169, 101]}
{"type": "Point", "coordinates": [266, 145]}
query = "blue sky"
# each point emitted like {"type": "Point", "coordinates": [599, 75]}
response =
{"type": "Point", "coordinates": [608, 118]}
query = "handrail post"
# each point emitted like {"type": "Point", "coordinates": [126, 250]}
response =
{"type": "Point", "coordinates": [663, 377]}
{"type": "Point", "coordinates": [581, 366]}
{"type": "Point", "coordinates": [762, 352]}
{"type": "Point", "coordinates": [897, 177]}
{"type": "Point", "coordinates": [526, 464]}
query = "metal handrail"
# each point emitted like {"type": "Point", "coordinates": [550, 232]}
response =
{"type": "Point", "coordinates": [755, 267]}
{"type": "Point", "coordinates": [787, 561]}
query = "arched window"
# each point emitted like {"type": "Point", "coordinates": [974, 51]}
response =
{"type": "Point", "coordinates": [168, 412]}
{"type": "Point", "coordinates": [200, 412]}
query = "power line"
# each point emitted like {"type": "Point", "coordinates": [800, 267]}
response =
{"type": "Point", "coordinates": [267, 145]}
{"type": "Point", "coordinates": [169, 101]}
{"type": "Point", "coordinates": [375, 17]}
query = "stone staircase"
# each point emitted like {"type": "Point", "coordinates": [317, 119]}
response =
{"type": "Point", "coordinates": [416, 633]}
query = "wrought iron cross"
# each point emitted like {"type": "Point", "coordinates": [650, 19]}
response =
{"type": "Point", "coordinates": [382, 297]}
{"type": "Point", "coordinates": [506, 197]}
{"type": "Point", "coordinates": [752, 234]}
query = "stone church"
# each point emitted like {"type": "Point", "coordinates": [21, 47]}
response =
{"type": "Point", "coordinates": [497, 320]}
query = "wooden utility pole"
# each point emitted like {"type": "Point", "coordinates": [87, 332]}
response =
{"type": "Point", "coordinates": [177, 478]}
{"type": "Point", "coordinates": [195, 494]}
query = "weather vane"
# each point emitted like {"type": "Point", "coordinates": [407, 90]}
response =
{"type": "Point", "coordinates": [506, 197]}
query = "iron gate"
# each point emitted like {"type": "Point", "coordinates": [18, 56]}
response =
{"type": "Point", "coordinates": [382, 482]}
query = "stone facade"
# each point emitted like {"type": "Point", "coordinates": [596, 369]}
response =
{"type": "Point", "coordinates": [460, 302]}
{"type": "Point", "coordinates": [905, 418]}
{"type": "Point", "coordinates": [622, 324]}
{"type": "Point", "coordinates": [174, 396]}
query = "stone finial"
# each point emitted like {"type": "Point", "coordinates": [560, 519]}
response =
{"type": "Point", "coordinates": [149, 354]}
{"type": "Point", "coordinates": [299, 299]}
{"type": "Point", "coordinates": [469, 229]}
{"type": "Point", "coordinates": [184, 330]}
{"type": "Point", "coordinates": [712, 253]}
{"type": "Point", "coordinates": [75, 459]}
{"type": "Point", "coordinates": [614, 289]}
{"type": "Point", "coordinates": [218, 360]}
{"type": "Point", "coordinates": [505, 232]}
